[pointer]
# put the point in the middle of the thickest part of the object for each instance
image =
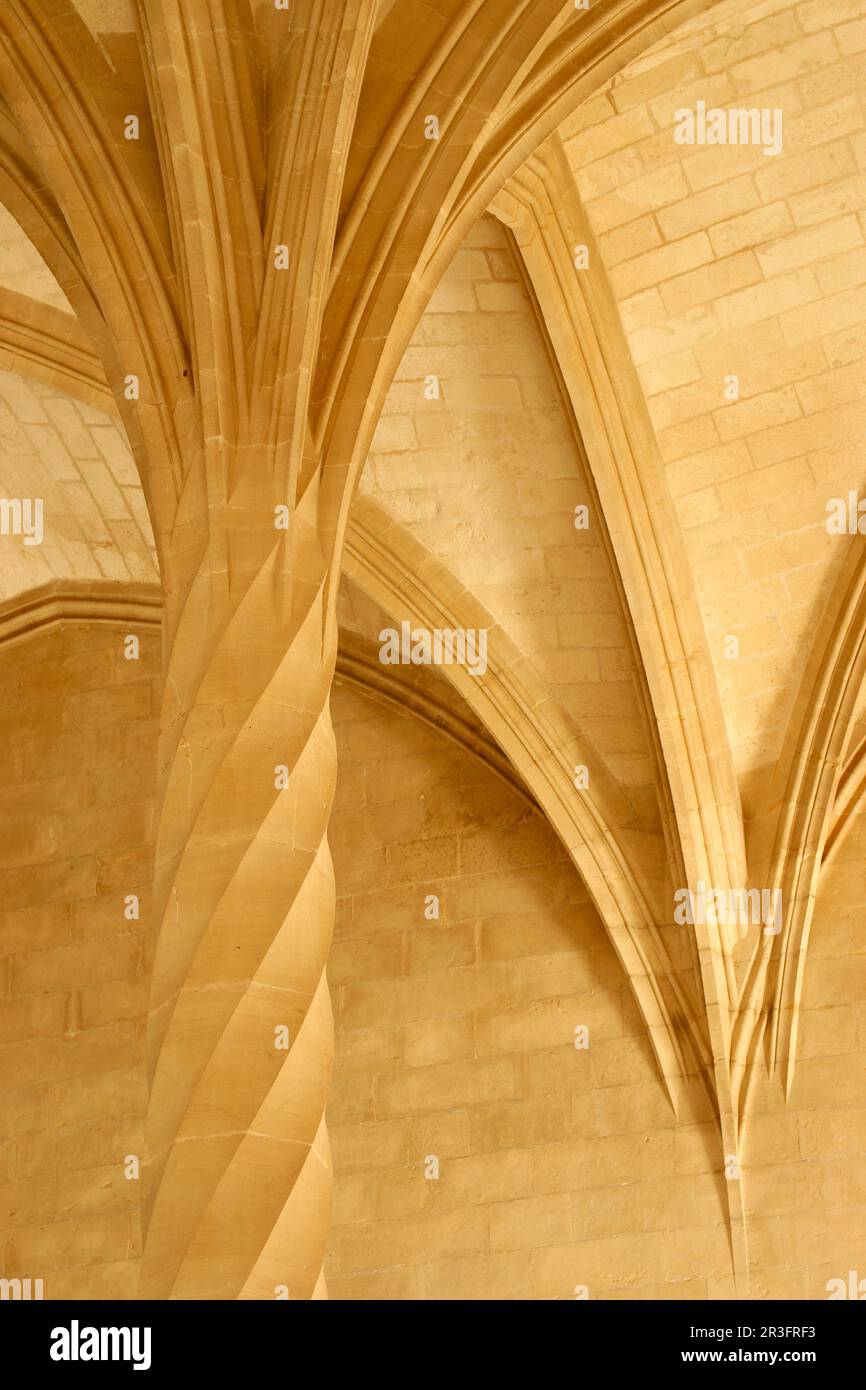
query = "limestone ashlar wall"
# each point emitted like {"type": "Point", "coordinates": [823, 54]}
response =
{"type": "Point", "coordinates": [727, 262]}
{"type": "Point", "coordinates": [77, 768]}
{"type": "Point", "coordinates": [557, 1167]}
{"type": "Point", "coordinates": [487, 474]}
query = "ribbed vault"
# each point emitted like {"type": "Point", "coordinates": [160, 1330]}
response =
{"type": "Point", "coordinates": [432, 400]}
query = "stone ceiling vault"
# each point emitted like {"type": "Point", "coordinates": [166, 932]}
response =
{"type": "Point", "coordinates": [454, 262]}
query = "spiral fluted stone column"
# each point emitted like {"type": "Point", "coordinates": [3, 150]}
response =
{"type": "Point", "coordinates": [238, 1198]}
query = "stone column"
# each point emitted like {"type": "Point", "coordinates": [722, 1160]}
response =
{"type": "Point", "coordinates": [240, 1035]}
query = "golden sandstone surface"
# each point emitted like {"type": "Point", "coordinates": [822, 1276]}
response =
{"type": "Point", "coordinates": [432, 612]}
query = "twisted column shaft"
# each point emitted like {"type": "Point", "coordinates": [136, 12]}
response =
{"type": "Point", "coordinates": [239, 1183]}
